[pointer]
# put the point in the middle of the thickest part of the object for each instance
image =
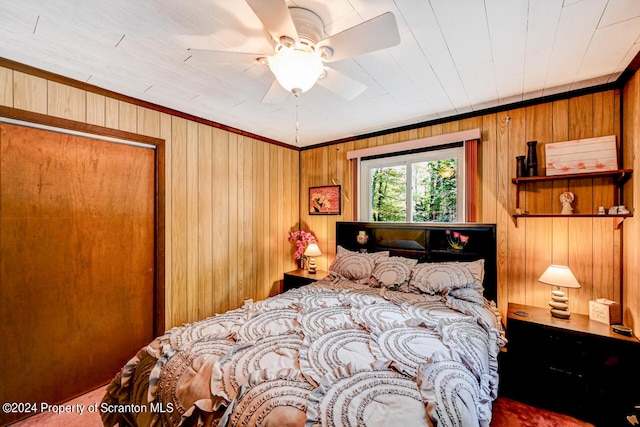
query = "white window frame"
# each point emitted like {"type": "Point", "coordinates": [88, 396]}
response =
{"type": "Point", "coordinates": [433, 154]}
{"type": "Point", "coordinates": [469, 138]}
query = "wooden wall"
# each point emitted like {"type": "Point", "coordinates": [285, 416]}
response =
{"type": "Point", "coordinates": [230, 199]}
{"type": "Point", "coordinates": [590, 246]}
{"type": "Point", "coordinates": [631, 249]}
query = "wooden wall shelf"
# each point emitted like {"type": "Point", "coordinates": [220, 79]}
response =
{"type": "Point", "coordinates": [618, 217]}
{"type": "Point", "coordinates": [619, 178]}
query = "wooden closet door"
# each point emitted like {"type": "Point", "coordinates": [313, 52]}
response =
{"type": "Point", "coordinates": [76, 262]}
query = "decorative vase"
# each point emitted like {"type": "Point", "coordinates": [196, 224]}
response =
{"type": "Point", "coordinates": [362, 238]}
{"type": "Point", "coordinates": [521, 167]}
{"type": "Point", "coordinates": [532, 158]}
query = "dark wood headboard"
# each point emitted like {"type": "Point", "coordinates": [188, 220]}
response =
{"type": "Point", "coordinates": [428, 243]}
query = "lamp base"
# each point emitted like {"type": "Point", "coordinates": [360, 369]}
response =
{"type": "Point", "coordinates": [559, 305]}
{"type": "Point", "coordinates": [560, 314]}
{"type": "Point", "coordinates": [312, 265]}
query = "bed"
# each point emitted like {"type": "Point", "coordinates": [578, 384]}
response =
{"type": "Point", "coordinates": [404, 330]}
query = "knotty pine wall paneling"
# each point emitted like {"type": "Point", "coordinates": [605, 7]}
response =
{"type": "Point", "coordinates": [607, 256]}
{"type": "Point", "coordinates": [511, 143]}
{"type": "Point", "coordinates": [631, 230]}
{"type": "Point", "coordinates": [29, 92]}
{"type": "Point", "coordinates": [535, 123]}
{"type": "Point", "coordinates": [177, 292]}
{"type": "Point", "coordinates": [590, 246]}
{"type": "Point", "coordinates": [6, 87]}
{"type": "Point", "coordinates": [192, 240]}
{"type": "Point", "coordinates": [492, 192]}
{"type": "Point", "coordinates": [96, 109]}
{"type": "Point", "coordinates": [205, 225]}
{"type": "Point", "coordinates": [221, 215]}
{"type": "Point", "coordinates": [66, 102]}
{"type": "Point", "coordinates": [230, 199]}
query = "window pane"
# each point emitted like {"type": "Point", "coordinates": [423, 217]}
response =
{"type": "Point", "coordinates": [389, 194]}
{"type": "Point", "coordinates": [433, 187]}
{"type": "Point", "coordinates": [435, 191]}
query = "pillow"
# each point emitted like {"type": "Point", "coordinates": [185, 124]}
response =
{"type": "Point", "coordinates": [468, 294]}
{"type": "Point", "coordinates": [353, 266]}
{"type": "Point", "coordinates": [392, 272]}
{"type": "Point", "coordinates": [374, 255]}
{"type": "Point", "coordinates": [477, 271]}
{"type": "Point", "coordinates": [440, 278]}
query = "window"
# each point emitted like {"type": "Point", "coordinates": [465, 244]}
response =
{"type": "Point", "coordinates": [427, 186]}
{"type": "Point", "coordinates": [454, 153]}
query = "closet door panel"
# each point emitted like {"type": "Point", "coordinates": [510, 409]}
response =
{"type": "Point", "coordinates": [76, 261]}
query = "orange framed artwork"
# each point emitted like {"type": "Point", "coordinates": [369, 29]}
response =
{"type": "Point", "coordinates": [325, 200]}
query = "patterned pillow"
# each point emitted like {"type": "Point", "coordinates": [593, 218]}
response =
{"type": "Point", "coordinates": [353, 266]}
{"type": "Point", "coordinates": [440, 278]}
{"type": "Point", "coordinates": [468, 294]}
{"type": "Point", "coordinates": [392, 272]}
{"type": "Point", "coordinates": [374, 255]}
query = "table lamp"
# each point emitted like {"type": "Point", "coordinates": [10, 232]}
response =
{"type": "Point", "coordinates": [312, 251]}
{"type": "Point", "coordinates": [561, 277]}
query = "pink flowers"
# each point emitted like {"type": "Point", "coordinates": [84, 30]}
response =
{"type": "Point", "coordinates": [456, 240]}
{"type": "Point", "coordinates": [302, 239]}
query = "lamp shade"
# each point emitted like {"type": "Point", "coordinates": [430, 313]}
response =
{"type": "Point", "coordinates": [312, 250]}
{"type": "Point", "coordinates": [296, 68]}
{"type": "Point", "coordinates": [559, 275]}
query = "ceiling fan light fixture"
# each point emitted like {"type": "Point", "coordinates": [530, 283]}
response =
{"type": "Point", "coordinates": [296, 69]}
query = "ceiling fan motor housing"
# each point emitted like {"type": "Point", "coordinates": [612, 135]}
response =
{"type": "Point", "coordinates": [309, 25]}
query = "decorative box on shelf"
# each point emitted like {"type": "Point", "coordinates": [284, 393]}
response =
{"type": "Point", "coordinates": [605, 311]}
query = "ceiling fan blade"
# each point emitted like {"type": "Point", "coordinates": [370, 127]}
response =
{"type": "Point", "coordinates": [341, 84]}
{"type": "Point", "coordinates": [377, 33]}
{"type": "Point", "coordinates": [226, 57]}
{"type": "Point", "coordinates": [275, 94]}
{"type": "Point", "coordinates": [276, 18]}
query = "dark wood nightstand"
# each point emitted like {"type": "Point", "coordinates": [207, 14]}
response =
{"type": "Point", "coordinates": [575, 366]}
{"type": "Point", "coordinates": [297, 278]}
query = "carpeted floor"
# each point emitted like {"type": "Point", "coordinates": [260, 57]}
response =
{"type": "Point", "coordinates": [510, 413]}
{"type": "Point", "coordinates": [74, 418]}
{"type": "Point", "coordinates": [506, 413]}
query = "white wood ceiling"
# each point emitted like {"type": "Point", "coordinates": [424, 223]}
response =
{"type": "Point", "coordinates": [455, 56]}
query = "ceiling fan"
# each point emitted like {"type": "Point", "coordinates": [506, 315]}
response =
{"type": "Point", "coordinates": [301, 52]}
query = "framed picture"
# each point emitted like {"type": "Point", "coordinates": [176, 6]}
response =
{"type": "Point", "coordinates": [325, 200]}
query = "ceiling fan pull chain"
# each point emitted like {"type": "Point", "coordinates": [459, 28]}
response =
{"type": "Point", "coordinates": [297, 123]}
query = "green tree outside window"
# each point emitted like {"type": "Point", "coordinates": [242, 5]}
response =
{"type": "Point", "coordinates": [433, 192]}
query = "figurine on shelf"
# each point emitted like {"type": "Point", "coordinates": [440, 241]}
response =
{"type": "Point", "coordinates": [566, 199]}
{"type": "Point", "coordinates": [619, 210]}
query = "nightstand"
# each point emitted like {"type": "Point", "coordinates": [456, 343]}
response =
{"type": "Point", "coordinates": [574, 366]}
{"type": "Point", "coordinates": [297, 278]}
